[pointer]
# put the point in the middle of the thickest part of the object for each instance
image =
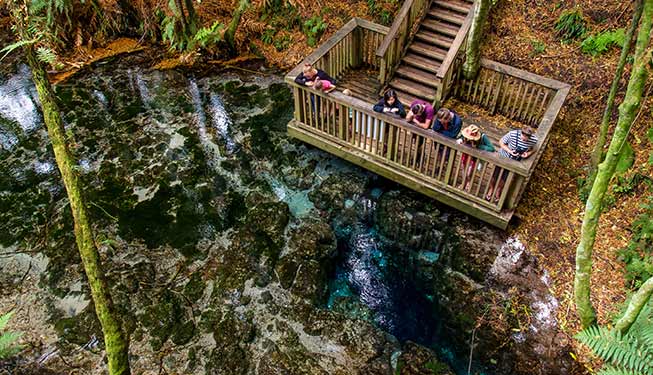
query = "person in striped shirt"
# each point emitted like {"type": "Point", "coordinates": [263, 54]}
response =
{"type": "Point", "coordinates": [516, 145]}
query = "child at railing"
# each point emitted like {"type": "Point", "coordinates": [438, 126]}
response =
{"type": "Point", "coordinates": [472, 137]}
{"type": "Point", "coordinates": [324, 85]}
{"type": "Point", "coordinates": [516, 145]}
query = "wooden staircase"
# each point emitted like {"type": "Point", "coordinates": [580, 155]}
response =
{"type": "Point", "coordinates": [415, 77]}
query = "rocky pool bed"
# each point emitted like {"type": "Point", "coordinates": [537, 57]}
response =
{"type": "Point", "coordinates": [232, 249]}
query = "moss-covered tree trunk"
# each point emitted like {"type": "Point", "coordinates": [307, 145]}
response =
{"type": "Point", "coordinates": [597, 153]}
{"type": "Point", "coordinates": [593, 208]}
{"type": "Point", "coordinates": [230, 33]}
{"type": "Point", "coordinates": [635, 306]}
{"type": "Point", "coordinates": [473, 52]}
{"type": "Point", "coordinates": [114, 338]}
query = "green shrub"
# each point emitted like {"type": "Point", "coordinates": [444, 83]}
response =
{"type": "Point", "coordinates": [638, 254]}
{"type": "Point", "coordinates": [314, 27]}
{"type": "Point", "coordinates": [571, 25]}
{"type": "Point", "coordinates": [8, 345]}
{"type": "Point", "coordinates": [209, 36]}
{"type": "Point", "coordinates": [538, 47]}
{"type": "Point", "coordinates": [603, 41]}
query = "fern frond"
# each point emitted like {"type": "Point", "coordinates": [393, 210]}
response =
{"type": "Point", "coordinates": [4, 319]}
{"type": "Point", "coordinates": [14, 46]}
{"type": "Point", "coordinates": [623, 351]}
{"type": "Point", "coordinates": [46, 55]}
{"type": "Point", "coordinates": [609, 370]}
{"type": "Point", "coordinates": [646, 335]}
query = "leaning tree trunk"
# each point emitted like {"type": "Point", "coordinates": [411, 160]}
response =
{"type": "Point", "coordinates": [473, 52]}
{"type": "Point", "coordinates": [627, 113]}
{"type": "Point", "coordinates": [635, 306]}
{"type": "Point", "coordinates": [114, 338]}
{"type": "Point", "coordinates": [230, 33]}
{"type": "Point", "coordinates": [605, 121]}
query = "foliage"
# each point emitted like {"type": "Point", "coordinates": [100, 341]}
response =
{"type": "Point", "coordinates": [571, 25]}
{"type": "Point", "coordinates": [631, 353]}
{"type": "Point", "coordinates": [209, 36]}
{"type": "Point", "coordinates": [178, 29]}
{"type": "Point", "coordinates": [383, 11]}
{"type": "Point", "coordinates": [538, 47]}
{"type": "Point", "coordinates": [603, 41]}
{"type": "Point", "coordinates": [314, 27]}
{"type": "Point", "coordinates": [638, 254]}
{"type": "Point", "coordinates": [8, 345]}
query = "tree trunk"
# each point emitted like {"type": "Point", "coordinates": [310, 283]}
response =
{"type": "Point", "coordinates": [233, 25]}
{"type": "Point", "coordinates": [473, 52]}
{"type": "Point", "coordinates": [114, 338]}
{"type": "Point", "coordinates": [605, 121]}
{"type": "Point", "coordinates": [627, 112]}
{"type": "Point", "coordinates": [637, 302]}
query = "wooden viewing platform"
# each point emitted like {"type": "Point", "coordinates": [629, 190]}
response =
{"type": "Point", "coordinates": [366, 58]}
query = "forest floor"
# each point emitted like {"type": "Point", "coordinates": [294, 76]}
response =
{"type": "Point", "coordinates": [521, 34]}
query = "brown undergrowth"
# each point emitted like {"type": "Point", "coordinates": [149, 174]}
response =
{"type": "Point", "coordinates": [551, 211]}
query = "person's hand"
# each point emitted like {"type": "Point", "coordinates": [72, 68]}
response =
{"type": "Point", "coordinates": [309, 83]}
{"type": "Point", "coordinates": [514, 153]}
{"type": "Point", "coordinates": [394, 110]}
{"type": "Point", "coordinates": [386, 110]}
{"type": "Point", "coordinates": [459, 141]}
{"type": "Point", "coordinates": [525, 154]}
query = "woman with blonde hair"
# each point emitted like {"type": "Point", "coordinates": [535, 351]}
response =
{"type": "Point", "coordinates": [309, 74]}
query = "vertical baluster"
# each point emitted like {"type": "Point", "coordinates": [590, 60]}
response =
{"type": "Point", "coordinates": [542, 107]}
{"type": "Point", "coordinates": [480, 180]}
{"type": "Point", "coordinates": [495, 170]}
{"type": "Point", "coordinates": [450, 162]}
{"type": "Point", "coordinates": [506, 189]}
{"type": "Point", "coordinates": [402, 148]}
{"type": "Point", "coordinates": [505, 93]}
{"type": "Point", "coordinates": [434, 155]}
{"type": "Point", "coordinates": [515, 101]}
{"type": "Point", "coordinates": [497, 93]}
{"type": "Point", "coordinates": [523, 101]}
{"type": "Point", "coordinates": [415, 152]}
{"type": "Point", "coordinates": [379, 131]}
{"type": "Point", "coordinates": [443, 156]}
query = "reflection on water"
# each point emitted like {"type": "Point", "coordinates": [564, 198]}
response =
{"type": "Point", "coordinates": [18, 111]}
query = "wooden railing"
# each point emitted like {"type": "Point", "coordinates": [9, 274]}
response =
{"type": "Point", "coordinates": [352, 46]}
{"type": "Point", "coordinates": [422, 159]}
{"type": "Point", "coordinates": [517, 94]}
{"type": "Point", "coordinates": [454, 59]}
{"type": "Point", "coordinates": [390, 142]}
{"type": "Point", "coordinates": [391, 49]}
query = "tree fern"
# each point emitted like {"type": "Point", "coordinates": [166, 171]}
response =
{"type": "Point", "coordinates": [628, 353]}
{"type": "Point", "coordinates": [609, 370]}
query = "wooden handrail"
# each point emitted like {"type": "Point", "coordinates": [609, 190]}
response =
{"type": "Point", "coordinates": [324, 48]}
{"type": "Point", "coordinates": [364, 107]}
{"type": "Point", "coordinates": [522, 74]}
{"type": "Point", "coordinates": [456, 45]}
{"type": "Point", "coordinates": [394, 29]}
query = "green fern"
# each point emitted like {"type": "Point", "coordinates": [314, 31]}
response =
{"type": "Point", "coordinates": [627, 353]}
{"type": "Point", "coordinates": [571, 25]}
{"type": "Point", "coordinates": [8, 345]}
{"type": "Point", "coordinates": [602, 42]}
{"type": "Point", "coordinates": [46, 55]}
{"type": "Point", "coordinates": [208, 36]}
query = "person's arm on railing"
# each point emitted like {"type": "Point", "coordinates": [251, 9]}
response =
{"type": "Point", "coordinates": [301, 79]}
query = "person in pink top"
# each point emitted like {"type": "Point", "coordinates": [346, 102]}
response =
{"type": "Point", "coordinates": [421, 114]}
{"type": "Point", "coordinates": [324, 85]}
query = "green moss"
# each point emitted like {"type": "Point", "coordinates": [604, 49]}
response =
{"type": "Point", "coordinates": [80, 328]}
{"type": "Point", "coordinates": [194, 287]}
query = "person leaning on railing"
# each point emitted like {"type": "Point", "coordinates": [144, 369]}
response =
{"type": "Point", "coordinates": [390, 104]}
{"type": "Point", "coordinates": [472, 137]}
{"type": "Point", "coordinates": [309, 74]}
{"type": "Point", "coordinates": [447, 123]}
{"type": "Point", "coordinates": [516, 145]}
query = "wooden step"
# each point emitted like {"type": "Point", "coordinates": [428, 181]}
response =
{"type": "Point", "coordinates": [421, 62]}
{"type": "Point", "coordinates": [444, 15]}
{"type": "Point", "coordinates": [414, 88]}
{"type": "Point", "coordinates": [428, 50]}
{"type": "Point", "coordinates": [406, 98]}
{"type": "Point", "coordinates": [418, 75]}
{"type": "Point", "coordinates": [433, 38]}
{"type": "Point", "coordinates": [440, 27]}
{"type": "Point", "coordinates": [457, 6]}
